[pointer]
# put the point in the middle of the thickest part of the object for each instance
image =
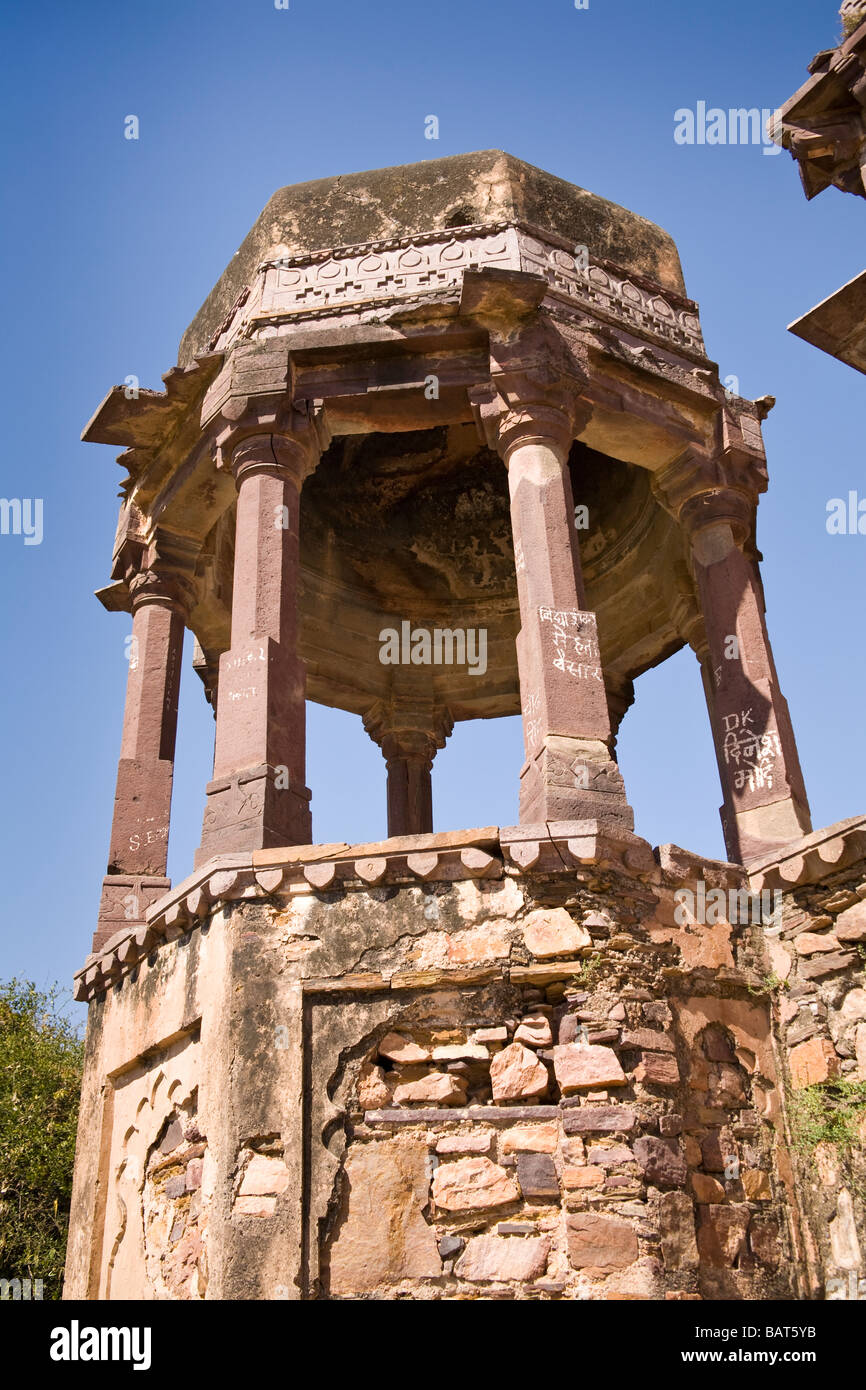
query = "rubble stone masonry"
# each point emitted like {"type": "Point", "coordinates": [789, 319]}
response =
{"type": "Point", "coordinates": [489, 1064]}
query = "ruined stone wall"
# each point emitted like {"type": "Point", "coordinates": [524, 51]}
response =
{"type": "Point", "coordinates": [495, 1067]}
{"type": "Point", "coordinates": [816, 967]}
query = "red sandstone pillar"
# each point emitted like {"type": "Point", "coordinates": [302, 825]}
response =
{"type": "Point", "coordinates": [765, 804]}
{"type": "Point", "coordinates": [139, 833]}
{"type": "Point", "coordinates": [409, 739]}
{"type": "Point", "coordinates": [569, 773]}
{"type": "Point", "coordinates": [258, 798]}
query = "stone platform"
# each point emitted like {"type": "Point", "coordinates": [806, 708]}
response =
{"type": "Point", "coordinates": [486, 1064]}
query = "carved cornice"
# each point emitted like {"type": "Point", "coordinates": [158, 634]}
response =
{"type": "Point", "coordinates": [379, 274]}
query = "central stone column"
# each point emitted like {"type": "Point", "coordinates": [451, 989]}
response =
{"type": "Point", "coordinates": [569, 773]}
{"type": "Point", "coordinates": [258, 797]}
{"type": "Point", "coordinates": [410, 735]}
{"type": "Point", "coordinates": [765, 804]}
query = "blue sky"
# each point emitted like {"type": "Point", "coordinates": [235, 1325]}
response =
{"type": "Point", "coordinates": [111, 245]}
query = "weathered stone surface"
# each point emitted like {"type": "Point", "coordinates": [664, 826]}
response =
{"type": "Point", "coordinates": [437, 1088]}
{"type": "Point", "coordinates": [809, 943]}
{"type": "Point", "coordinates": [648, 1039]}
{"type": "Point", "coordinates": [657, 1069]}
{"type": "Point", "coordinates": [599, 1119]}
{"type": "Point", "coordinates": [397, 1048]}
{"type": "Point", "coordinates": [853, 1007]}
{"type": "Point", "coordinates": [373, 1092]}
{"type": "Point", "coordinates": [677, 1231]}
{"type": "Point", "coordinates": [706, 1188]}
{"type": "Point", "coordinates": [531, 1139]}
{"type": "Point", "coordinates": [851, 924]}
{"type": "Point", "coordinates": [722, 1233]}
{"type": "Point", "coordinates": [382, 1235]}
{"type": "Point", "coordinates": [756, 1185]}
{"type": "Point", "coordinates": [610, 1155]}
{"type": "Point", "coordinates": [820, 966]}
{"type": "Point", "coordinates": [449, 1246]}
{"type": "Point", "coordinates": [516, 1072]}
{"type": "Point", "coordinates": [600, 1242]}
{"type": "Point", "coordinates": [550, 932]}
{"type": "Point", "coordinates": [473, 1184]}
{"type": "Point", "coordinates": [534, 1031]}
{"type": "Point", "coordinates": [457, 1052]}
{"type": "Point", "coordinates": [575, 1178]}
{"type": "Point", "coordinates": [579, 1067]}
{"type": "Point", "coordinates": [660, 1161]}
{"type": "Point", "coordinates": [489, 1259]}
{"type": "Point", "coordinates": [465, 1144]}
{"type": "Point", "coordinates": [813, 1062]}
{"type": "Point", "coordinates": [264, 1175]}
{"type": "Point", "coordinates": [536, 1174]}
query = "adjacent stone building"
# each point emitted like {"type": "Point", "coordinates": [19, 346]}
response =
{"type": "Point", "coordinates": [824, 127]}
{"type": "Point", "coordinates": [539, 1061]}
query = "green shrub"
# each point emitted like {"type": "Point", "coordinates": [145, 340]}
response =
{"type": "Point", "coordinates": [40, 1076]}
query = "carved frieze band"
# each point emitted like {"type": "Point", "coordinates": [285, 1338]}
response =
{"type": "Point", "coordinates": [353, 279]}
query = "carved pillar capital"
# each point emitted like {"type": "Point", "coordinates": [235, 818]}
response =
{"type": "Point", "coordinates": [283, 440]}
{"type": "Point", "coordinates": [165, 588]}
{"type": "Point", "coordinates": [530, 407]}
{"type": "Point", "coordinates": [410, 734]}
{"type": "Point", "coordinates": [418, 729]}
{"type": "Point", "coordinates": [701, 491]}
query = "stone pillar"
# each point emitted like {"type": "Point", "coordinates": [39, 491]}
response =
{"type": "Point", "coordinates": [138, 853]}
{"type": "Point", "coordinates": [569, 773]}
{"type": "Point", "coordinates": [410, 737]}
{"type": "Point", "coordinates": [765, 804]}
{"type": "Point", "coordinates": [258, 797]}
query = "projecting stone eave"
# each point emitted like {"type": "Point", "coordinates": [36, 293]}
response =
{"type": "Point", "coordinates": [488, 186]}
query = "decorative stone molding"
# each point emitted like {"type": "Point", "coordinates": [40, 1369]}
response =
{"type": "Point", "coordinates": [378, 274]}
{"type": "Point", "coordinates": [811, 858]}
{"type": "Point", "coordinates": [452, 856]}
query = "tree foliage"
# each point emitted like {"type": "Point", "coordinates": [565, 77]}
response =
{"type": "Point", "coordinates": [40, 1076]}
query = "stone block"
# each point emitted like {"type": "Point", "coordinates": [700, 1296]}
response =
{"type": "Point", "coordinates": [536, 1174]}
{"type": "Point", "coordinates": [397, 1048]}
{"type": "Point", "coordinates": [549, 932]}
{"type": "Point", "coordinates": [573, 1179]}
{"type": "Point", "coordinates": [851, 924]}
{"type": "Point", "coordinates": [604, 1243]}
{"type": "Point", "coordinates": [437, 1088]}
{"type": "Point", "coordinates": [383, 1236]}
{"type": "Point", "coordinates": [581, 1067]}
{"type": "Point", "coordinates": [756, 1185]}
{"type": "Point", "coordinates": [813, 1062]}
{"type": "Point", "coordinates": [531, 1139]}
{"type": "Point", "coordinates": [516, 1072]}
{"type": "Point", "coordinates": [722, 1234]}
{"type": "Point", "coordinates": [489, 1259]}
{"type": "Point", "coordinates": [706, 1188]}
{"type": "Point", "coordinates": [677, 1231]}
{"type": "Point", "coordinates": [473, 1184]}
{"type": "Point", "coordinates": [534, 1030]}
{"type": "Point", "coordinates": [657, 1069]}
{"type": "Point", "coordinates": [660, 1161]}
{"type": "Point", "coordinates": [599, 1119]}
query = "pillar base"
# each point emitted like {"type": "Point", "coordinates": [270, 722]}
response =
{"type": "Point", "coordinates": [573, 779]}
{"type": "Point", "coordinates": [763, 830]}
{"type": "Point", "coordinates": [254, 809]}
{"type": "Point", "coordinates": [124, 903]}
